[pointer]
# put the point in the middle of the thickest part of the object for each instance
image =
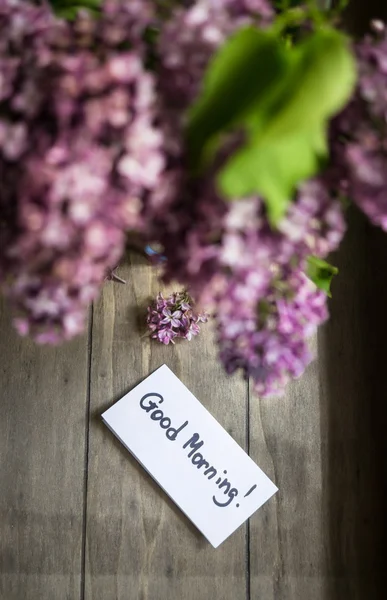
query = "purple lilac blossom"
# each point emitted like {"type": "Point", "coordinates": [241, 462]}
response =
{"type": "Point", "coordinates": [79, 151]}
{"type": "Point", "coordinates": [102, 167]}
{"type": "Point", "coordinates": [190, 38]}
{"type": "Point", "coordinates": [264, 326]}
{"type": "Point", "coordinates": [174, 317]}
{"type": "Point", "coordinates": [250, 276]}
{"type": "Point", "coordinates": [228, 255]}
{"type": "Point", "coordinates": [359, 146]}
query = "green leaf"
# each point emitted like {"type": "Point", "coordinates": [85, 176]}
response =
{"type": "Point", "coordinates": [321, 273]}
{"type": "Point", "coordinates": [272, 168]}
{"type": "Point", "coordinates": [287, 137]}
{"type": "Point", "coordinates": [241, 76]}
{"type": "Point", "coordinates": [62, 4]}
{"type": "Point", "coordinates": [68, 9]}
{"type": "Point", "coordinates": [282, 98]}
{"type": "Point", "coordinates": [319, 84]}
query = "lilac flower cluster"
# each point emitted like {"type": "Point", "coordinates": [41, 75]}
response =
{"type": "Point", "coordinates": [266, 307]}
{"type": "Point", "coordinates": [359, 146]}
{"type": "Point", "coordinates": [263, 326]}
{"type": "Point", "coordinates": [92, 146]}
{"type": "Point", "coordinates": [250, 275]}
{"type": "Point", "coordinates": [186, 43]}
{"type": "Point", "coordinates": [174, 317]}
{"type": "Point", "coordinates": [193, 34]}
{"type": "Point", "coordinates": [79, 153]}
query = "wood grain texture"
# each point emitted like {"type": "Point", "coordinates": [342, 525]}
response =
{"type": "Point", "coordinates": [139, 545]}
{"type": "Point", "coordinates": [352, 359]}
{"type": "Point", "coordinates": [43, 410]}
{"type": "Point", "coordinates": [287, 535]}
{"type": "Point", "coordinates": [324, 444]}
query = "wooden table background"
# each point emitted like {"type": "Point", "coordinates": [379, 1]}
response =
{"type": "Point", "coordinates": [80, 519]}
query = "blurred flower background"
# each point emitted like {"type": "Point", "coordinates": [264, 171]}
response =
{"type": "Point", "coordinates": [143, 118]}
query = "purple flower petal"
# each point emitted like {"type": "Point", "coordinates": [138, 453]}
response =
{"type": "Point", "coordinates": [170, 321]}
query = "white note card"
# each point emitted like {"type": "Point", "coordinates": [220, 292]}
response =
{"type": "Point", "coordinates": [198, 464]}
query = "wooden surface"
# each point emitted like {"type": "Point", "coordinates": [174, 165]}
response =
{"type": "Point", "coordinates": [80, 519]}
{"type": "Point", "coordinates": [137, 539]}
{"type": "Point", "coordinates": [43, 403]}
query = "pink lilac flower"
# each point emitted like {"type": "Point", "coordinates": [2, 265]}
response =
{"type": "Point", "coordinates": [265, 306]}
{"type": "Point", "coordinates": [264, 329]}
{"type": "Point", "coordinates": [228, 254]}
{"type": "Point", "coordinates": [174, 317]}
{"type": "Point", "coordinates": [96, 164]}
{"type": "Point", "coordinates": [79, 152]}
{"type": "Point", "coordinates": [187, 41]}
{"type": "Point", "coordinates": [165, 335]}
{"type": "Point", "coordinates": [359, 148]}
{"type": "Point", "coordinates": [193, 34]}
{"type": "Point", "coordinates": [170, 318]}
{"type": "Point", "coordinates": [238, 265]}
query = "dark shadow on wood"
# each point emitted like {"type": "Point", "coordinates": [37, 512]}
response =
{"type": "Point", "coordinates": [353, 372]}
{"type": "Point", "coordinates": [353, 377]}
{"type": "Point", "coordinates": [359, 13]}
{"type": "Point", "coordinates": [137, 314]}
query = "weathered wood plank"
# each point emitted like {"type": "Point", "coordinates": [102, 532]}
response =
{"type": "Point", "coordinates": [325, 445]}
{"type": "Point", "coordinates": [352, 358]}
{"type": "Point", "coordinates": [42, 434]}
{"type": "Point", "coordinates": [139, 545]}
{"type": "Point", "coordinates": [287, 538]}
